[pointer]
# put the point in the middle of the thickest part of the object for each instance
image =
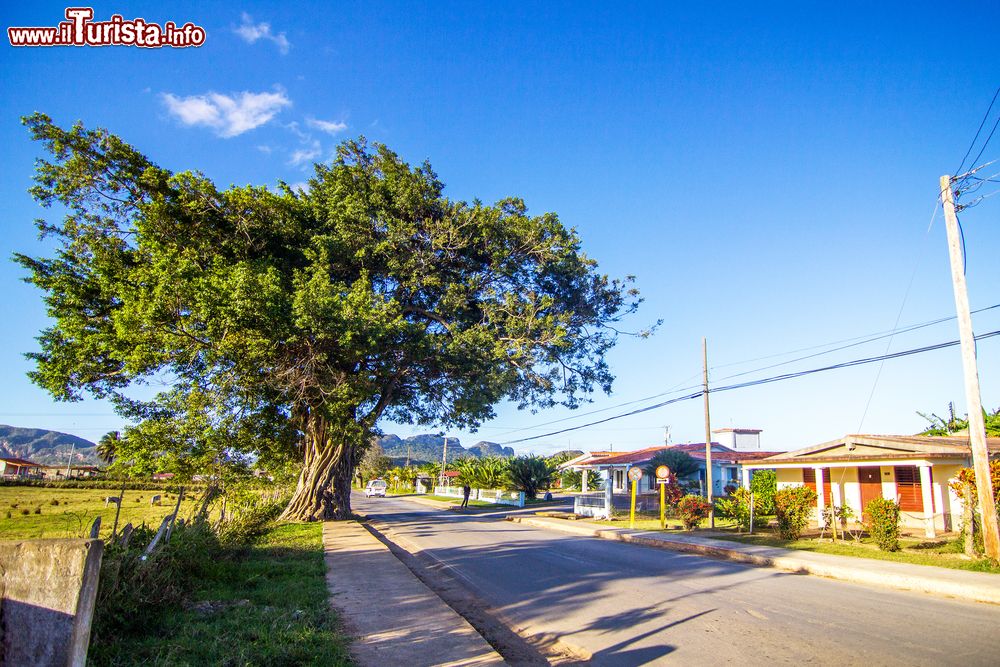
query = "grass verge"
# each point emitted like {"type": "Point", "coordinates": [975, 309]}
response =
{"type": "Point", "coordinates": [266, 604]}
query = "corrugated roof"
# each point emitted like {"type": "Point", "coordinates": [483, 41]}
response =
{"type": "Point", "coordinates": [19, 462]}
{"type": "Point", "coordinates": [891, 446]}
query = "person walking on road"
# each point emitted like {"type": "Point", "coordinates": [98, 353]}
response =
{"type": "Point", "coordinates": [466, 490]}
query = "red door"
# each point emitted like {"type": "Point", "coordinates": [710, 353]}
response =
{"type": "Point", "coordinates": [870, 479]}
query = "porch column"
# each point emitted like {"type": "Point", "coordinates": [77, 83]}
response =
{"type": "Point", "coordinates": [609, 493]}
{"type": "Point", "coordinates": [943, 509]}
{"type": "Point", "coordinates": [583, 483]}
{"type": "Point", "coordinates": [926, 491]}
{"type": "Point", "coordinates": [745, 477]}
{"type": "Point", "coordinates": [820, 500]}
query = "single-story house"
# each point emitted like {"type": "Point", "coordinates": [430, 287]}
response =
{"type": "Point", "coordinates": [853, 470]}
{"type": "Point", "coordinates": [59, 472]}
{"type": "Point", "coordinates": [14, 467]}
{"type": "Point", "coordinates": [726, 465]}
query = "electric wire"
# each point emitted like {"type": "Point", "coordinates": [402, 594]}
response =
{"type": "Point", "coordinates": [760, 381]}
{"type": "Point", "coordinates": [976, 138]}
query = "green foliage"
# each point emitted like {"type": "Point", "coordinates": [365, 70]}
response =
{"type": "Point", "coordinates": [680, 463]}
{"type": "Point", "coordinates": [490, 472]}
{"type": "Point", "coordinates": [692, 509]}
{"type": "Point", "coordinates": [968, 476]}
{"type": "Point", "coordinates": [952, 425]}
{"type": "Point", "coordinates": [764, 484]}
{"type": "Point", "coordinates": [883, 523]}
{"type": "Point", "coordinates": [573, 479]}
{"type": "Point", "coordinates": [374, 464]}
{"type": "Point", "coordinates": [529, 473]}
{"type": "Point", "coordinates": [291, 322]}
{"type": "Point", "coordinates": [737, 508]}
{"type": "Point", "coordinates": [793, 507]}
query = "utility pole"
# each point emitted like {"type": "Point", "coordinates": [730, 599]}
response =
{"type": "Point", "coordinates": [69, 463]}
{"type": "Point", "coordinates": [407, 456]}
{"type": "Point", "coordinates": [666, 436]}
{"type": "Point", "coordinates": [444, 461]}
{"type": "Point", "coordinates": [708, 433]}
{"type": "Point", "coordinates": [977, 428]}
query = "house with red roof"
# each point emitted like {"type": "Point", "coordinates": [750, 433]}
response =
{"type": "Point", "coordinates": [11, 467]}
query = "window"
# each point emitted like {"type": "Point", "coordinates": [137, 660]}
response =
{"type": "Point", "coordinates": [908, 489]}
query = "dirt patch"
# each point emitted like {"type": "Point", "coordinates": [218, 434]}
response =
{"type": "Point", "coordinates": [514, 647]}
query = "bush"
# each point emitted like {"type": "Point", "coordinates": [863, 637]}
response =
{"type": "Point", "coordinates": [793, 507]}
{"type": "Point", "coordinates": [529, 474]}
{"type": "Point", "coordinates": [737, 508]}
{"type": "Point", "coordinates": [692, 510]}
{"type": "Point", "coordinates": [883, 523]}
{"type": "Point", "coordinates": [764, 485]}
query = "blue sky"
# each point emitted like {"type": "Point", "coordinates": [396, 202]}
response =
{"type": "Point", "coordinates": [768, 175]}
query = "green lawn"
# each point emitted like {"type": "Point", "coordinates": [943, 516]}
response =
{"type": "Point", "coordinates": [30, 512]}
{"type": "Point", "coordinates": [916, 551]}
{"type": "Point", "coordinates": [939, 552]}
{"type": "Point", "coordinates": [262, 605]}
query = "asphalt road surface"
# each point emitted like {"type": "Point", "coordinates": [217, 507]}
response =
{"type": "Point", "coordinates": [632, 605]}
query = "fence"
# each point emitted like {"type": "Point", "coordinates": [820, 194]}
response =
{"type": "Point", "coordinates": [514, 498]}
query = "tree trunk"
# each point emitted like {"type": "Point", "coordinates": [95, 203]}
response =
{"type": "Point", "coordinates": [323, 491]}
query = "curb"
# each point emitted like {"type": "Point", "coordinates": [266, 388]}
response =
{"type": "Point", "coordinates": [961, 584]}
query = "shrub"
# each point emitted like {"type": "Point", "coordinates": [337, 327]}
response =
{"type": "Point", "coordinates": [692, 509]}
{"type": "Point", "coordinates": [529, 474]}
{"type": "Point", "coordinates": [764, 484]}
{"type": "Point", "coordinates": [54, 501]}
{"type": "Point", "coordinates": [8, 514]}
{"type": "Point", "coordinates": [737, 508]}
{"type": "Point", "coordinates": [38, 510]}
{"type": "Point", "coordinates": [25, 511]}
{"type": "Point", "coordinates": [883, 523]}
{"type": "Point", "coordinates": [793, 506]}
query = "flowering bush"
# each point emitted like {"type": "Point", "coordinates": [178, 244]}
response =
{"type": "Point", "coordinates": [883, 523]}
{"type": "Point", "coordinates": [692, 509]}
{"type": "Point", "coordinates": [793, 505]}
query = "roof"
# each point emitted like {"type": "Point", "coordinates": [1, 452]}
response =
{"type": "Point", "coordinates": [860, 447]}
{"type": "Point", "coordinates": [737, 430]}
{"type": "Point", "coordinates": [19, 462]}
{"type": "Point", "coordinates": [720, 454]}
{"type": "Point", "coordinates": [585, 459]}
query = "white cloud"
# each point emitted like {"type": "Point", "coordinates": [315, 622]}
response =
{"type": "Point", "coordinates": [251, 32]}
{"type": "Point", "coordinates": [328, 126]}
{"type": "Point", "coordinates": [305, 154]}
{"type": "Point", "coordinates": [228, 116]}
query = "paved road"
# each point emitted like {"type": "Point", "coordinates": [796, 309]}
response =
{"type": "Point", "coordinates": [632, 605]}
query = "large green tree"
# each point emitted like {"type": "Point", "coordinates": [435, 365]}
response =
{"type": "Point", "coordinates": [366, 295]}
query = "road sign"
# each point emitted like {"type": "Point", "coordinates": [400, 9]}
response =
{"type": "Point", "coordinates": [635, 474]}
{"type": "Point", "coordinates": [662, 472]}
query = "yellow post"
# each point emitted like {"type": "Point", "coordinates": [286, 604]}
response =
{"type": "Point", "coordinates": [631, 515]}
{"type": "Point", "coordinates": [663, 506]}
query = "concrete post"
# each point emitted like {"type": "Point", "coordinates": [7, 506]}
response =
{"type": "Point", "coordinates": [942, 508]}
{"type": "Point", "coordinates": [745, 477]}
{"type": "Point", "coordinates": [609, 494]}
{"type": "Point", "coordinates": [925, 490]}
{"type": "Point", "coordinates": [583, 482]}
{"type": "Point", "coordinates": [820, 501]}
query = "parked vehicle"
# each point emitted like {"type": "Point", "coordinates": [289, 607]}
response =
{"type": "Point", "coordinates": [375, 487]}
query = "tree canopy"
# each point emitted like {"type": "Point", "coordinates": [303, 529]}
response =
{"type": "Point", "coordinates": [288, 323]}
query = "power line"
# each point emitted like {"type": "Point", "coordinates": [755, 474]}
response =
{"type": "Point", "coordinates": [753, 383]}
{"type": "Point", "coordinates": [975, 138]}
{"type": "Point", "coordinates": [853, 342]}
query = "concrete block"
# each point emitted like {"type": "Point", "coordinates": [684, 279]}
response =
{"type": "Point", "coordinates": [47, 593]}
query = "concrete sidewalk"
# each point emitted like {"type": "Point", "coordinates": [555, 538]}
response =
{"type": "Point", "coordinates": [395, 618]}
{"type": "Point", "coordinates": [973, 586]}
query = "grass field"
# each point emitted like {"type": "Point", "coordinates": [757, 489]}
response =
{"type": "Point", "coordinates": [262, 605]}
{"type": "Point", "coordinates": [32, 512]}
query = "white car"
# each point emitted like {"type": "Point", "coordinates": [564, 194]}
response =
{"type": "Point", "coordinates": [376, 487]}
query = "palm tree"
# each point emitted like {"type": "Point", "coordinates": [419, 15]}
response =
{"type": "Point", "coordinates": [107, 446]}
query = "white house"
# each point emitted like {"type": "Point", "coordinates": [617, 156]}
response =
{"type": "Point", "coordinates": [913, 469]}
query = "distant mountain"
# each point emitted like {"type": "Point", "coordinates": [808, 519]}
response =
{"type": "Point", "coordinates": [565, 454]}
{"type": "Point", "coordinates": [47, 447]}
{"type": "Point", "coordinates": [430, 448]}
